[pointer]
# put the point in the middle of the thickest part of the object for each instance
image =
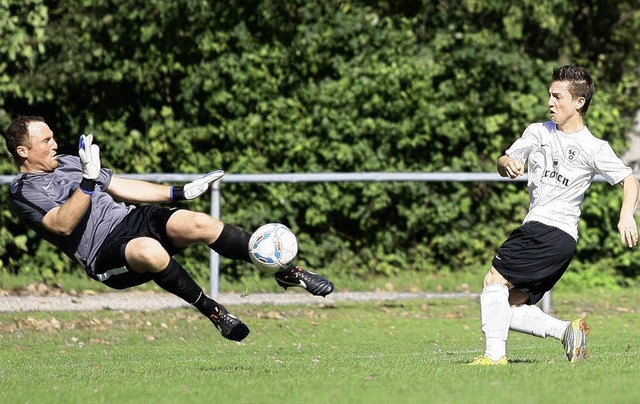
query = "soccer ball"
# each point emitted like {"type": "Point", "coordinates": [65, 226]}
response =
{"type": "Point", "coordinates": [273, 247]}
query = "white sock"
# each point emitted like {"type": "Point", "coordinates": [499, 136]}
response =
{"type": "Point", "coordinates": [530, 319]}
{"type": "Point", "coordinates": [495, 314]}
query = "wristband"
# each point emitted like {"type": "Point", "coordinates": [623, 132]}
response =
{"type": "Point", "coordinates": [177, 193]}
{"type": "Point", "coordinates": [87, 186]}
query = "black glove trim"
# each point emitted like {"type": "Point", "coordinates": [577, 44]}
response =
{"type": "Point", "coordinates": [177, 193]}
{"type": "Point", "coordinates": [87, 186]}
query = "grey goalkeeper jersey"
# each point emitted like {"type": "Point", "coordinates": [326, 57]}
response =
{"type": "Point", "coordinates": [32, 195]}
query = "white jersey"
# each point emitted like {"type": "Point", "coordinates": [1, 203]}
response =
{"type": "Point", "coordinates": [561, 168]}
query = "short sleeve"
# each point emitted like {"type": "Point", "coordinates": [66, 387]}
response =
{"type": "Point", "coordinates": [104, 179]}
{"type": "Point", "coordinates": [609, 165]}
{"type": "Point", "coordinates": [29, 203]}
{"type": "Point", "coordinates": [522, 147]}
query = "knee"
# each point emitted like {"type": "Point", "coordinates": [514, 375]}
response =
{"type": "Point", "coordinates": [203, 223]}
{"type": "Point", "coordinates": [493, 276]}
{"type": "Point", "coordinates": [518, 297]}
{"type": "Point", "coordinates": [146, 255]}
{"type": "Point", "coordinates": [186, 227]}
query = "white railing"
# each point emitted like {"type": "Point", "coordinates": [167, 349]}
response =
{"type": "Point", "coordinates": [214, 262]}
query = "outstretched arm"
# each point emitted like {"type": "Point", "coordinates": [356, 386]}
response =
{"type": "Point", "coordinates": [136, 191]}
{"type": "Point", "coordinates": [627, 226]}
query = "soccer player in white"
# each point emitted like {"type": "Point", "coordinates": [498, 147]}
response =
{"type": "Point", "coordinates": [563, 157]}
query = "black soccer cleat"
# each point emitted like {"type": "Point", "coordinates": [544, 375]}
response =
{"type": "Point", "coordinates": [312, 282]}
{"type": "Point", "coordinates": [228, 324]}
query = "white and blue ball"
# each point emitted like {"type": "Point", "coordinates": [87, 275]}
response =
{"type": "Point", "coordinates": [273, 247]}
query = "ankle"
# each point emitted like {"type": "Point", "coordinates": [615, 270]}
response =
{"type": "Point", "coordinates": [206, 305]}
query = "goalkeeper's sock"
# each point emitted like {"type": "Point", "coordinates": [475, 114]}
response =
{"type": "Point", "coordinates": [205, 305]}
{"type": "Point", "coordinates": [530, 319]}
{"type": "Point", "coordinates": [232, 243]}
{"type": "Point", "coordinates": [175, 279]}
{"type": "Point", "coordinates": [495, 313]}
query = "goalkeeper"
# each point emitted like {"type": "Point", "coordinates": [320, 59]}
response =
{"type": "Point", "coordinates": [89, 214]}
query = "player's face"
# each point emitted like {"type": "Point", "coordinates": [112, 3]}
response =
{"type": "Point", "coordinates": [562, 107]}
{"type": "Point", "coordinates": [42, 155]}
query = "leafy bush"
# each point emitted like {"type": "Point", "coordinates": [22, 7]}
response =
{"type": "Point", "coordinates": [301, 86]}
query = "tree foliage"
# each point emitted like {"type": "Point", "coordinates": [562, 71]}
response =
{"type": "Point", "coordinates": [315, 86]}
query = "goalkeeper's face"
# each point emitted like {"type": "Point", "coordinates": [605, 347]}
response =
{"type": "Point", "coordinates": [41, 153]}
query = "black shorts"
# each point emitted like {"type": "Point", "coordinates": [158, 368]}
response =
{"type": "Point", "coordinates": [111, 264]}
{"type": "Point", "coordinates": [534, 258]}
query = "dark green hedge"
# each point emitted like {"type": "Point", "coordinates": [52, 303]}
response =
{"type": "Point", "coordinates": [315, 86]}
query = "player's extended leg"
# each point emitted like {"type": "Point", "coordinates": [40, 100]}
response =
{"type": "Point", "coordinates": [186, 227]}
{"type": "Point", "coordinates": [530, 319]}
{"type": "Point", "coordinates": [234, 242]}
{"type": "Point", "coordinates": [146, 255]}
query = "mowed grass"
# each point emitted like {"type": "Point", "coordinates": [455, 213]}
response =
{"type": "Point", "coordinates": [395, 352]}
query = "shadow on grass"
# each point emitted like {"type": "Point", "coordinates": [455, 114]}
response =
{"type": "Point", "coordinates": [226, 368]}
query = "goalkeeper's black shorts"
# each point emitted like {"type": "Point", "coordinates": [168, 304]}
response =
{"type": "Point", "coordinates": [111, 264]}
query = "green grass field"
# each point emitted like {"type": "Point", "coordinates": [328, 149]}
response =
{"type": "Point", "coordinates": [402, 352]}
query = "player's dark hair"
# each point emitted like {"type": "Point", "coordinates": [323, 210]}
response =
{"type": "Point", "coordinates": [18, 134]}
{"type": "Point", "coordinates": [580, 83]}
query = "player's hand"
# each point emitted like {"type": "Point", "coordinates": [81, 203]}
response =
{"type": "Point", "coordinates": [195, 188]}
{"type": "Point", "coordinates": [514, 168]}
{"type": "Point", "coordinates": [198, 187]}
{"type": "Point", "coordinates": [89, 156]}
{"type": "Point", "coordinates": [628, 230]}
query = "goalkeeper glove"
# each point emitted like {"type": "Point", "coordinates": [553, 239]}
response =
{"type": "Point", "coordinates": [195, 188]}
{"type": "Point", "coordinates": [90, 158]}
